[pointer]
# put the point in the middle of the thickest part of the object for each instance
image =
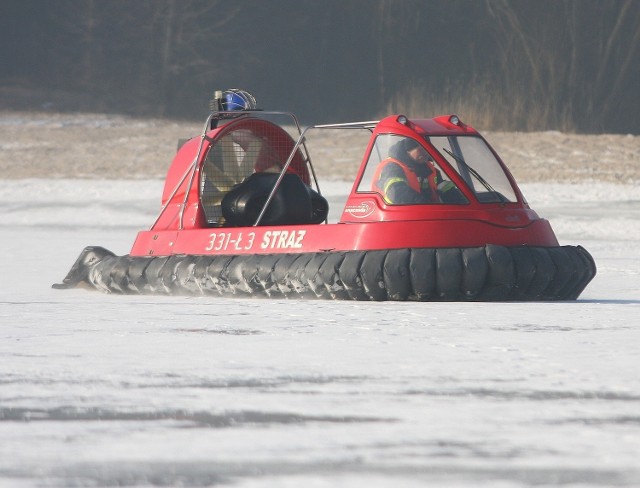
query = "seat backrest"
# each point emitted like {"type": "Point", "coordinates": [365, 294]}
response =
{"type": "Point", "coordinates": [293, 203]}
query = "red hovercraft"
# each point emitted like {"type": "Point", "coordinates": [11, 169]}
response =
{"type": "Point", "coordinates": [239, 217]}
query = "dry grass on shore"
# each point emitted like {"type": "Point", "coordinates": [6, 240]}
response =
{"type": "Point", "coordinates": [51, 145]}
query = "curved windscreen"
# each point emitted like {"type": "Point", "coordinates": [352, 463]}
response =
{"type": "Point", "coordinates": [475, 162]}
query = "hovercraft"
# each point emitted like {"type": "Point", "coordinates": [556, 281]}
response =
{"type": "Point", "coordinates": [242, 214]}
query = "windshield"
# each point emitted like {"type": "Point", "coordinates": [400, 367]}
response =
{"type": "Point", "coordinates": [473, 160]}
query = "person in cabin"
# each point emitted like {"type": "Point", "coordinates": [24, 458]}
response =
{"type": "Point", "coordinates": [409, 176]}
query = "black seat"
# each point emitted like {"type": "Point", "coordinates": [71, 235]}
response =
{"type": "Point", "coordinates": [293, 203]}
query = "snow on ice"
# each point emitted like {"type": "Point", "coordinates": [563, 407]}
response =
{"type": "Point", "coordinates": [101, 390]}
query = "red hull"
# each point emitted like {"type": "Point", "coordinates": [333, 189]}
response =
{"type": "Point", "coordinates": [339, 237]}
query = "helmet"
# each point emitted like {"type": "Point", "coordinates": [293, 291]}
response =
{"type": "Point", "coordinates": [236, 99]}
{"type": "Point", "coordinates": [400, 149]}
{"type": "Point", "coordinates": [409, 144]}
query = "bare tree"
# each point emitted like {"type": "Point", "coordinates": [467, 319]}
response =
{"type": "Point", "coordinates": [570, 56]}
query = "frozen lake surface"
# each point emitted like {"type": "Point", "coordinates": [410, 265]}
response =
{"type": "Point", "coordinates": [101, 390]}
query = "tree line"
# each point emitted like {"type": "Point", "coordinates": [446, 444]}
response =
{"type": "Point", "coordinates": [511, 64]}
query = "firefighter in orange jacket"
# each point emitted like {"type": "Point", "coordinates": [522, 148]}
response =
{"type": "Point", "coordinates": [410, 177]}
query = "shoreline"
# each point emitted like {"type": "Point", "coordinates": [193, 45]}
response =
{"type": "Point", "coordinates": [101, 146]}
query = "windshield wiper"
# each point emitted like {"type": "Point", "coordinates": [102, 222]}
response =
{"type": "Point", "coordinates": [477, 176]}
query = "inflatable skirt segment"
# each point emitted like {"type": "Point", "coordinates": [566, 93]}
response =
{"type": "Point", "coordinates": [487, 273]}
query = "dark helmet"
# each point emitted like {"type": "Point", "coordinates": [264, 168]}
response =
{"type": "Point", "coordinates": [400, 149]}
{"type": "Point", "coordinates": [409, 144]}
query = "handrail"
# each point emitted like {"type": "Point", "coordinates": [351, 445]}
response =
{"type": "Point", "coordinates": [370, 124]}
{"type": "Point", "coordinates": [367, 124]}
{"type": "Point", "coordinates": [281, 175]}
{"type": "Point", "coordinates": [192, 169]}
{"type": "Point", "coordinates": [300, 143]}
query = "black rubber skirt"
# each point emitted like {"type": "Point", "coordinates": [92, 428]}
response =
{"type": "Point", "coordinates": [488, 273]}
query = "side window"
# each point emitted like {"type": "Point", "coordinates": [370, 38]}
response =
{"type": "Point", "coordinates": [379, 153]}
{"type": "Point", "coordinates": [404, 173]}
